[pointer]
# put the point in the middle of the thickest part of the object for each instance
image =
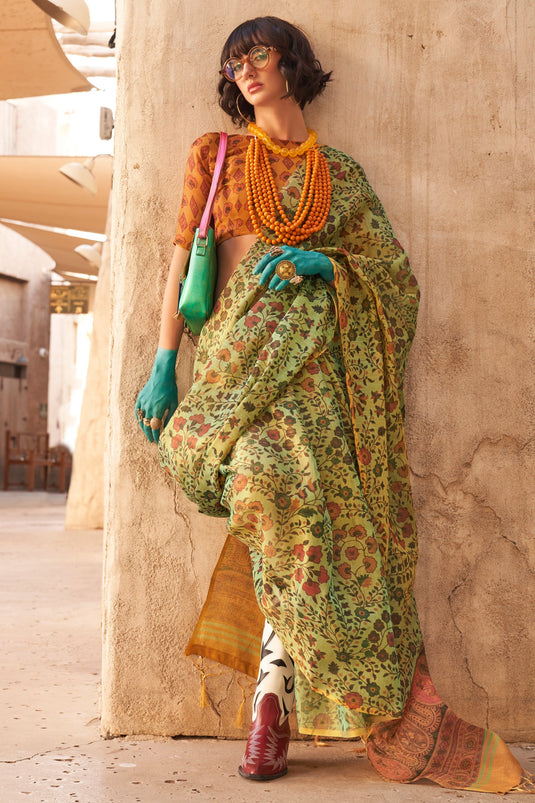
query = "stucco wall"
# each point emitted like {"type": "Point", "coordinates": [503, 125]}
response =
{"type": "Point", "coordinates": [434, 99]}
{"type": "Point", "coordinates": [85, 501]}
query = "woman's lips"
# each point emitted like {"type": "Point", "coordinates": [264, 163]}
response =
{"type": "Point", "coordinates": [253, 87]}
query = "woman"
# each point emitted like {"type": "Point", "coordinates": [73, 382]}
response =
{"type": "Point", "coordinates": [293, 429]}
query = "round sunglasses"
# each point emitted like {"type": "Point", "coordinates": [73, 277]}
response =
{"type": "Point", "coordinates": [258, 57]}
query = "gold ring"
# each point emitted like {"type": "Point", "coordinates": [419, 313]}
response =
{"type": "Point", "coordinates": [155, 423]}
{"type": "Point", "coordinates": [140, 414]}
{"type": "Point", "coordinates": [285, 269]}
{"type": "Point", "coordinates": [146, 421]}
{"type": "Point", "coordinates": [276, 251]}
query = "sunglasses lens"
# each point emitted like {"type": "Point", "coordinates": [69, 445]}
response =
{"type": "Point", "coordinates": [259, 57]}
{"type": "Point", "coordinates": [233, 69]}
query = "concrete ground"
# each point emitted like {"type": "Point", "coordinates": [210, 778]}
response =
{"type": "Point", "coordinates": [50, 747]}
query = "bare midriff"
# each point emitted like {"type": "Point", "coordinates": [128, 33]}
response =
{"type": "Point", "coordinates": [229, 254]}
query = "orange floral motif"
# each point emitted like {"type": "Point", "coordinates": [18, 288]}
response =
{"type": "Point", "coordinates": [402, 514]}
{"type": "Point", "coordinates": [358, 532]}
{"type": "Point", "coordinates": [333, 509]}
{"type": "Point", "coordinates": [314, 554]}
{"type": "Point", "coordinates": [370, 564]}
{"type": "Point", "coordinates": [364, 457]}
{"type": "Point", "coordinates": [323, 575]}
{"type": "Point", "coordinates": [311, 588]}
{"type": "Point", "coordinates": [308, 385]}
{"type": "Point", "coordinates": [353, 700]}
{"type": "Point", "coordinates": [240, 482]}
{"type": "Point", "coordinates": [299, 551]}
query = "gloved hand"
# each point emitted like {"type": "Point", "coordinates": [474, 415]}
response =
{"type": "Point", "coordinates": [307, 263]}
{"type": "Point", "coordinates": [159, 398]}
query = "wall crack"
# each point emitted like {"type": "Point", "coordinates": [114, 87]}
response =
{"type": "Point", "coordinates": [462, 638]}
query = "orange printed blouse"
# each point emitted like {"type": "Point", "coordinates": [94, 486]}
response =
{"type": "Point", "coordinates": [230, 211]}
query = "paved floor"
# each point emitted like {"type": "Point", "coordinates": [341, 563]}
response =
{"type": "Point", "coordinates": [50, 747]}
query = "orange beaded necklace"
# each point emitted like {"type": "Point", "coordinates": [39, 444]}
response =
{"type": "Point", "coordinates": [263, 201]}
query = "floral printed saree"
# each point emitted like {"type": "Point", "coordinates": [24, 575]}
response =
{"type": "Point", "coordinates": [293, 429]}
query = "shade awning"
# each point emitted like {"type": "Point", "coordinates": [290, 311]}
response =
{"type": "Point", "coordinates": [31, 59]}
{"type": "Point", "coordinates": [59, 246]}
{"type": "Point", "coordinates": [32, 190]}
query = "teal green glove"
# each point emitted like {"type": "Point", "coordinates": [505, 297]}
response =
{"type": "Point", "coordinates": [307, 263]}
{"type": "Point", "coordinates": [159, 397]}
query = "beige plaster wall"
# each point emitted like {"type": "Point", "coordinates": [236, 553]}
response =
{"type": "Point", "coordinates": [434, 99]}
{"type": "Point", "coordinates": [85, 501]}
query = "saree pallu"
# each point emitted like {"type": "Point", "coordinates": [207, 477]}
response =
{"type": "Point", "coordinates": [293, 429]}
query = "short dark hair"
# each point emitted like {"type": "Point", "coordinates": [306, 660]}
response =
{"type": "Point", "coordinates": [301, 69]}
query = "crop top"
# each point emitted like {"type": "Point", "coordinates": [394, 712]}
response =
{"type": "Point", "coordinates": [230, 210]}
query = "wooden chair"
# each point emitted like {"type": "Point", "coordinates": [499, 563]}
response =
{"type": "Point", "coordinates": [31, 451]}
{"type": "Point", "coordinates": [62, 461]}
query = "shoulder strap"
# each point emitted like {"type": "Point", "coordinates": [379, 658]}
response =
{"type": "Point", "coordinates": [207, 214]}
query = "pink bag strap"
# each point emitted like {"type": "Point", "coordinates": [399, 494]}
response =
{"type": "Point", "coordinates": [207, 214]}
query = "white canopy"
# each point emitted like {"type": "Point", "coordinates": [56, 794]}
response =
{"type": "Point", "coordinates": [32, 190]}
{"type": "Point", "coordinates": [31, 59]}
{"type": "Point", "coordinates": [59, 246]}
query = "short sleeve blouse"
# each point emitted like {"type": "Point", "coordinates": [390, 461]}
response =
{"type": "Point", "coordinates": [230, 211]}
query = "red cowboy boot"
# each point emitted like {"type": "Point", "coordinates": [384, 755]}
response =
{"type": "Point", "coordinates": [267, 746]}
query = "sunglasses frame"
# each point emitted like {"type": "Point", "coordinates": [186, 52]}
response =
{"type": "Point", "coordinates": [269, 50]}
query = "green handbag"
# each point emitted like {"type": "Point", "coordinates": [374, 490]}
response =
{"type": "Point", "coordinates": [197, 284]}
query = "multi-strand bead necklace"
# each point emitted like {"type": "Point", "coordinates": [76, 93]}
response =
{"type": "Point", "coordinates": [263, 200]}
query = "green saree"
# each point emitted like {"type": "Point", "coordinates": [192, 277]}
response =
{"type": "Point", "coordinates": [293, 429]}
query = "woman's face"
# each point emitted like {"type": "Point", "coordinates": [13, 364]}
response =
{"type": "Point", "coordinates": [262, 87]}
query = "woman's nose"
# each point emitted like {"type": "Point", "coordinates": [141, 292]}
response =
{"type": "Point", "coordinates": [248, 67]}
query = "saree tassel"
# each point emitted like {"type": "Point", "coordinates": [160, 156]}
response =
{"type": "Point", "coordinates": [203, 700]}
{"type": "Point", "coordinates": [240, 719]}
{"type": "Point", "coordinates": [527, 785]}
{"type": "Point", "coordinates": [247, 687]}
{"type": "Point", "coordinates": [210, 671]}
